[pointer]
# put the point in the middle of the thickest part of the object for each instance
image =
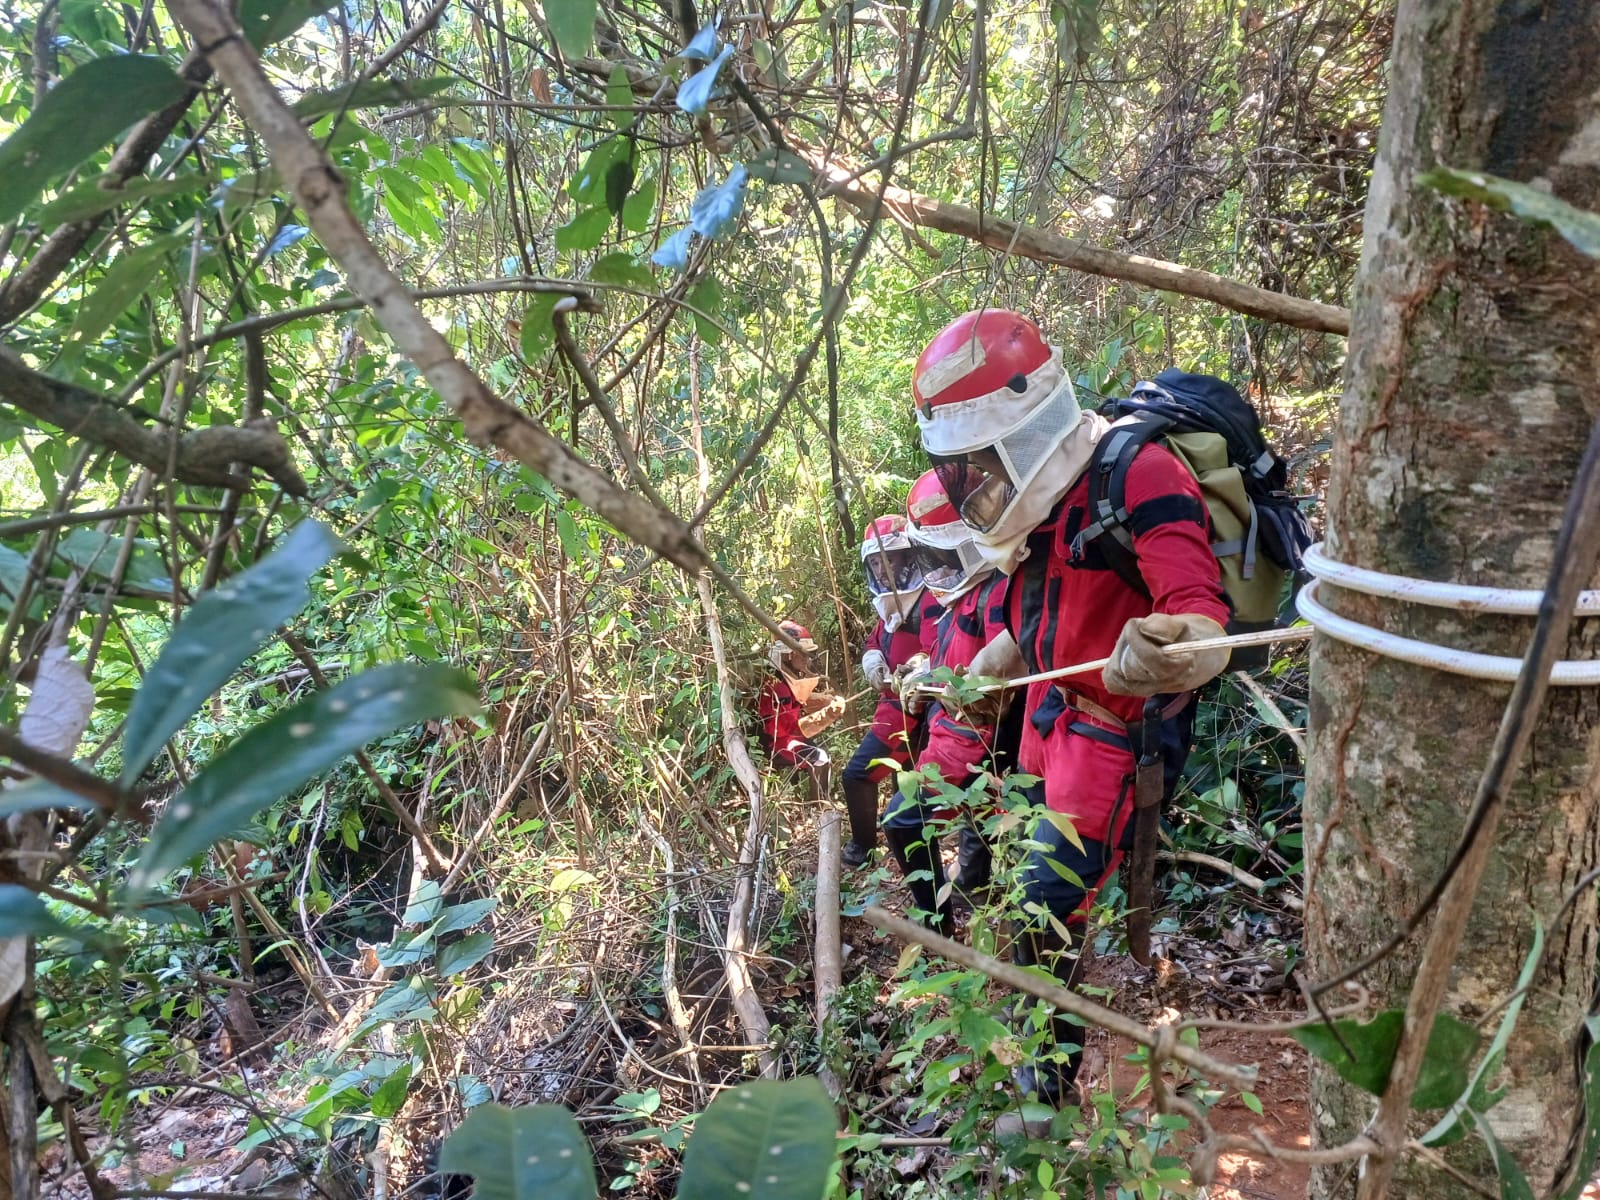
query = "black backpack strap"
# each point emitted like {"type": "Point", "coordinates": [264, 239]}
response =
{"type": "Point", "coordinates": [1108, 495]}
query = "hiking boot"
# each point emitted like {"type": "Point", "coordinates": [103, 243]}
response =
{"type": "Point", "coordinates": [861, 807]}
{"type": "Point", "coordinates": [1050, 1083]}
{"type": "Point", "coordinates": [917, 852]}
{"type": "Point", "coordinates": [976, 862]}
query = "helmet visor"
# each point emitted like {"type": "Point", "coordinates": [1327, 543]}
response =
{"type": "Point", "coordinates": [979, 496]}
{"type": "Point", "coordinates": [892, 571]}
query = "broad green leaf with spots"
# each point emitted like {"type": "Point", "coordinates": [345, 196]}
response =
{"type": "Point", "coordinates": [226, 626]}
{"type": "Point", "coordinates": [74, 120]}
{"type": "Point", "coordinates": [533, 1153]}
{"type": "Point", "coordinates": [292, 748]}
{"type": "Point", "coordinates": [769, 1140]}
{"type": "Point", "coordinates": [1577, 225]}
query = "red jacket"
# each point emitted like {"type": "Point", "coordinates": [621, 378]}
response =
{"type": "Point", "coordinates": [915, 635]}
{"type": "Point", "coordinates": [957, 749]}
{"type": "Point", "coordinates": [780, 720]}
{"type": "Point", "coordinates": [1064, 608]}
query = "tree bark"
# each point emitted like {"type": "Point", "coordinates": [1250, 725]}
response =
{"type": "Point", "coordinates": [1474, 350]}
{"type": "Point", "coordinates": [909, 208]}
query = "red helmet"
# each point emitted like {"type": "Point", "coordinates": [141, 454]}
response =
{"type": "Point", "coordinates": [977, 355]}
{"type": "Point", "coordinates": [778, 652]}
{"type": "Point", "coordinates": [886, 552]}
{"type": "Point", "coordinates": [947, 556]}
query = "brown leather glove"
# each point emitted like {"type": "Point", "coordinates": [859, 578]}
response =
{"type": "Point", "coordinates": [998, 658]}
{"type": "Point", "coordinates": [911, 680]}
{"type": "Point", "coordinates": [1139, 667]}
{"type": "Point", "coordinates": [816, 721]}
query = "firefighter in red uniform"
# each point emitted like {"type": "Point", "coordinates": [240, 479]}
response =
{"type": "Point", "coordinates": [999, 418]}
{"type": "Point", "coordinates": [907, 616]}
{"type": "Point", "coordinates": [793, 711]}
{"type": "Point", "coordinates": [958, 746]}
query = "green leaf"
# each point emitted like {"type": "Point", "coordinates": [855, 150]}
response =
{"type": "Point", "coordinates": [532, 1153]}
{"type": "Point", "coordinates": [372, 93]}
{"type": "Point", "coordinates": [706, 296]}
{"type": "Point", "coordinates": [391, 1095]}
{"type": "Point", "coordinates": [124, 281]}
{"type": "Point", "coordinates": [13, 576]}
{"type": "Point", "coordinates": [585, 231]}
{"type": "Point", "coordinates": [468, 952]}
{"type": "Point", "coordinates": [409, 1000]}
{"type": "Point", "coordinates": [1513, 1184]}
{"type": "Point", "coordinates": [1252, 1102]}
{"type": "Point", "coordinates": [538, 327]}
{"type": "Point", "coordinates": [619, 94]}
{"type": "Point", "coordinates": [91, 199]}
{"type": "Point", "coordinates": [572, 542]}
{"type": "Point", "coordinates": [425, 904]}
{"type": "Point", "coordinates": [640, 208]}
{"type": "Point", "coordinates": [74, 120]}
{"type": "Point", "coordinates": [1591, 1108]}
{"type": "Point", "coordinates": [464, 916]}
{"type": "Point", "coordinates": [23, 914]}
{"type": "Point", "coordinates": [777, 165]}
{"type": "Point", "coordinates": [588, 186]}
{"type": "Point", "coordinates": [268, 21]}
{"type": "Point", "coordinates": [772, 1139]}
{"type": "Point", "coordinates": [224, 628]}
{"type": "Point", "coordinates": [1475, 1095]}
{"type": "Point", "coordinates": [571, 24]}
{"type": "Point", "coordinates": [1451, 1044]}
{"type": "Point", "coordinates": [293, 747]}
{"type": "Point", "coordinates": [1577, 225]}
{"type": "Point", "coordinates": [622, 268]}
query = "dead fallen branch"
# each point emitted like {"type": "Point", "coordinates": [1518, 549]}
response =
{"type": "Point", "coordinates": [914, 209]}
{"type": "Point", "coordinates": [1232, 1074]}
{"type": "Point", "coordinates": [1250, 881]}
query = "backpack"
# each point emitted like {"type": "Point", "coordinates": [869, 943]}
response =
{"type": "Point", "coordinates": [1258, 532]}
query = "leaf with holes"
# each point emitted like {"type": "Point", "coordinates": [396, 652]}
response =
{"type": "Point", "coordinates": [226, 626]}
{"type": "Point", "coordinates": [292, 748]}
{"type": "Point", "coordinates": [1577, 225]}
{"type": "Point", "coordinates": [74, 120]}
{"type": "Point", "coordinates": [1451, 1044]}
{"type": "Point", "coordinates": [532, 1153]}
{"type": "Point", "coordinates": [769, 1139]}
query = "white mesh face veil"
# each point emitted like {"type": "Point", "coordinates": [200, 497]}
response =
{"type": "Point", "coordinates": [1022, 452]}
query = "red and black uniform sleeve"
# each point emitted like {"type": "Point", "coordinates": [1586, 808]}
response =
{"type": "Point", "coordinates": [780, 720]}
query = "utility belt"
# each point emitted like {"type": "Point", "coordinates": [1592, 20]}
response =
{"type": "Point", "coordinates": [1095, 721]}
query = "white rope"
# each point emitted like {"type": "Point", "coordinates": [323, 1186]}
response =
{"type": "Point", "coordinates": [1458, 597]}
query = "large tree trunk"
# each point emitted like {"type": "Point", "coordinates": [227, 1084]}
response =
{"type": "Point", "coordinates": [1472, 382]}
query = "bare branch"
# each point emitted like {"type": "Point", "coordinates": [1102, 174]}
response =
{"type": "Point", "coordinates": [321, 193]}
{"type": "Point", "coordinates": [912, 208]}
{"type": "Point", "coordinates": [65, 775]}
{"type": "Point", "coordinates": [201, 456]}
